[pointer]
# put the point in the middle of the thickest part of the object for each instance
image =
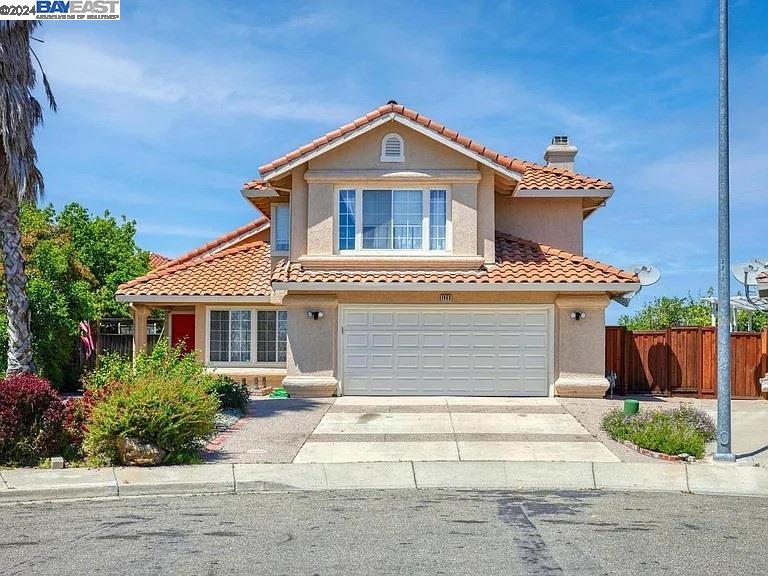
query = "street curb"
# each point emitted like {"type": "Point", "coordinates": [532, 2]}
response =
{"type": "Point", "coordinates": [28, 485]}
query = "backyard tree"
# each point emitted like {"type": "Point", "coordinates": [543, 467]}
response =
{"type": "Point", "coordinates": [74, 261]}
{"type": "Point", "coordinates": [670, 311]}
{"type": "Point", "coordinates": [20, 179]}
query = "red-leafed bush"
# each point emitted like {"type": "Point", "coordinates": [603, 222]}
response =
{"type": "Point", "coordinates": [77, 414]}
{"type": "Point", "coordinates": [31, 420]}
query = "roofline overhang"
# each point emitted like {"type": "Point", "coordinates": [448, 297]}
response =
{"type": "Point", "coordinates": [298, 161]}
{"type": "Point", "coordinates": [575, 193]}
{"type": "Point", "coordinates": [266, 192]}
{"type": "Point", "coordinates": [614, 287]}
{"type": "Point", "coordinates": [171, 299]}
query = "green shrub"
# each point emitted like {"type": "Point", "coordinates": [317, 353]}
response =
{"type": "Point", "coordinates": [229, 393]}
{"type": "Point", "coordinates": [171, 412]}
{"type": "Point", "coordinates": [111, 367]}
{"type": "Point", "coordinates": [683, 430]}
{"type": "Point", "coordinates": [163, 361]}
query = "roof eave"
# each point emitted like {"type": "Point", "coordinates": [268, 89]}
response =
{"type": "Point", "coordinates": [612, 287]}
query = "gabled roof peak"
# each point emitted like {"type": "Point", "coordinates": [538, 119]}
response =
{"type": "Point", "coordinates": [536, 174]}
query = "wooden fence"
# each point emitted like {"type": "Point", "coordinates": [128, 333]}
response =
{"type": "Point", "coordinates": [683, 361]}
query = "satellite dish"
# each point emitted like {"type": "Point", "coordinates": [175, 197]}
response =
{"type": "Point", "coordinates": [625, 299]}
{"type": "Point", "coordinates": [647, 274]}
{"type": "Point", "coordinates": [747, 272]}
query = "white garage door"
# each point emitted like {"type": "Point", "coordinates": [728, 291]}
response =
{"type": "Point", "coordinates": [471, 351]}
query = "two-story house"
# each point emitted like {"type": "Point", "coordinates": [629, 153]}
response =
{"type": "Point", "coordinates": [399, 257]}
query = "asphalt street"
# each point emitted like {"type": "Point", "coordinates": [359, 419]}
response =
{"type": "Point", "coordinates": [389, 532]}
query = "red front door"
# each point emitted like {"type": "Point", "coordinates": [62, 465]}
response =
{"type": "Point", "coordinates": [183, 330]}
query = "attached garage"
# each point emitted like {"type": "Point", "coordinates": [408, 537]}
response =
{"type": "Point", "coordinates": [446, 350]}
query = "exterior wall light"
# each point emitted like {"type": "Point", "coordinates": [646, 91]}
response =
{"type": "Point", "coordinates": [578, 316]}
{"type": "Point", "coordinates": [315, 314]}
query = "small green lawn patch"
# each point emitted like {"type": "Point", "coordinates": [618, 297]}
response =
{"type": "Point", "coordinates": [683, 430]}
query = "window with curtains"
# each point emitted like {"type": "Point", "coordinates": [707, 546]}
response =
{"type": "Point", "coordinates": [243, 336]}
{"type": "Point", "coordinates": [397, 219]}
{"type": "Point", "coordinates": [230, 336]}
{"type": "Point", "coordinates": [281, 228]}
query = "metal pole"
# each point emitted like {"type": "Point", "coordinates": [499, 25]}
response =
{"type": "Point", "coordinates": [724, 453]}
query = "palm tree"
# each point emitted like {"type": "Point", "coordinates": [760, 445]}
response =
{"type": "Point", "coordinates": [20, 179]}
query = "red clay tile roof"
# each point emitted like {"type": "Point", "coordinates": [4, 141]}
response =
{"type": "Point", "coordinates": [535, 176]}
{"type": "Point", "coordinates": [220, 241]}
{"type": "Point", "coordinates": [518, 261]}
{"type": "Point", "coordinates": [258, 184]}
{"type": "Point", "coordinates": [157, 260]}
{"type": "Point", "coordinates": [239, 271]}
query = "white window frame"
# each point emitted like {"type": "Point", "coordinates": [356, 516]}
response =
{"type": "Point", "coordinates": [384, 157]}
{"type": "Point", "coordinates": [273, 229]}
{"type": "Point", "coordinates": [254, 347]}
{"type": "Point", "coordinates": [424, 251]}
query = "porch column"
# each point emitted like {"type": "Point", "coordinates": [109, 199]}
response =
{"type": "Point", "coordinates": [581, 346]}
{"type": "Point", "coordinates": [311, 346]}
{"type": "Point", "coordinates": [140, 315]}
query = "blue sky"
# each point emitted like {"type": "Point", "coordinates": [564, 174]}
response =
{"type": "Point", "coordinates": [164, 114]}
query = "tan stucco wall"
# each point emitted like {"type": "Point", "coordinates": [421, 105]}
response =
{"type": "Point", "coordinates": [364, 152]}
{"type": "Point", "coordinates": [311, 343]}
{"type": "Point", "coordinates": [556, 222]}
{"type": "Point", "coordinates": [319, 217]}
{"type": "Point", "coordinates": [580, 359]}
{"type": "Point", "coordinates": [299, 204]}
{"type": "Point", "coordinates": [486, 216]}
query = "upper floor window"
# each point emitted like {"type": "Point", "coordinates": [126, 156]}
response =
{"type": "Point", "coordinates": [392, 148]}
{"type": "Point", "coordinates": [397, 219]}
{"type": "Point", "coordinates": [281, 228]}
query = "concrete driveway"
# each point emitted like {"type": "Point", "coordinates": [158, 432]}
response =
{"type": "Point", "coordinates": [378, 429]}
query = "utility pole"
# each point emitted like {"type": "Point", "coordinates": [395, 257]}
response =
{"type": "Point", "coordinates": [724, 453]}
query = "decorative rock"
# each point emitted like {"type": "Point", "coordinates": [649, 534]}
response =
{"type": "Point", "coordinates": [57, 463]}
{"type": "Point", "coordinates": [135, 453]}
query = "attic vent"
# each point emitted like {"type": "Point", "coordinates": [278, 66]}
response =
{"type": "Point", "coordinates": [560, 140]}
{"type": "Point", "coordinates": [392, 148]}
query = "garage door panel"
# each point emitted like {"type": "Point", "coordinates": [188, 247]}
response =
{"type": "Point", "coordinates": [408, 340]}
{"type": "Point", "coordinates": [382, 339]}
{"type": "Point", "coordinates": [462, 352]}
{"type": "Point", "coordinates": [356, 340]}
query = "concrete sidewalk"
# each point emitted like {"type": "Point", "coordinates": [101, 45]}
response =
{"type": "Point", "coordinates": [24, 485]}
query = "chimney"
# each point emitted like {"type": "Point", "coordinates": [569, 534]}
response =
{"type": "Point", "coordinates": [560, 153]}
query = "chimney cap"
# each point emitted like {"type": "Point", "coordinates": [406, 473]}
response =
{"type": "Point", "coordinates": [561, 153]}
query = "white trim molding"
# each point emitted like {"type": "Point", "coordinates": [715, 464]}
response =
{"type": "Point", "coordinates": [580, 193]}
{"type": "Point", "coordinates": [356, 176]}
{"type": "Point", "coordinates": [171, 299]}
{"type": "Point", "coordinates": [613, 288]}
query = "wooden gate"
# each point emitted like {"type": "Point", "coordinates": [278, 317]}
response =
{"type": "Point", "coordinates": [683, 361]}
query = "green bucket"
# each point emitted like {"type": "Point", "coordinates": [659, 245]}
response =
{"type": "Point", "coordinates": [631, 407]}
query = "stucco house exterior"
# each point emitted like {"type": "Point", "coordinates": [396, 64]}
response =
{"type": "Point", "coordinates": [396, 256]}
